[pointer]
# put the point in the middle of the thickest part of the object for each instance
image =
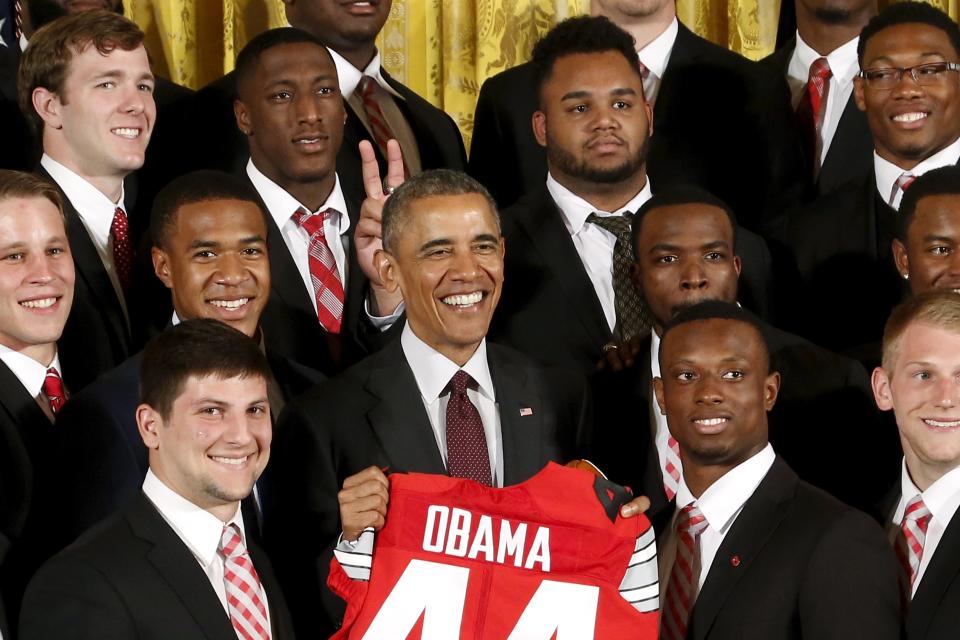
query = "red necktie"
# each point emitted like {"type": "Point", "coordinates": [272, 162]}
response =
{"type": "Point", "coordinates": [902, 184]}
{"type": "Point", "coordinates": [53, 389]}
{"type": "Point", "coordinates": [327, 287]}
{"type": "Point", "coordinates": [378, 123]}
{"type": "Point", "coordinates": [122, 249]}
{"type": "Point", "coordinates": [913, 533]}
{"type": "Point", "coordinates": [248, 614]}
{"type": "Point", "coordinates": [685, 575]}
{"type": "Point", "coordinates": [671, 479]}
{"type": "Point", "coordinates": [811, 109]}
{"type": "Point", "coordinates": [467, 455]}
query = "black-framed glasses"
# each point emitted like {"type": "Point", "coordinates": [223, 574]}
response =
{"type": "Point", "coordinates": [932, 73]}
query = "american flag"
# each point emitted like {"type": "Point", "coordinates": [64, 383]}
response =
{"type": "Point", "coordinates": [9, 22]}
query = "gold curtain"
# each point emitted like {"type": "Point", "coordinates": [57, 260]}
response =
{"type": "Point", "coordinates": [442, 49]}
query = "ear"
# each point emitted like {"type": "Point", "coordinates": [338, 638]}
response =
{"type": "Point", "coordinates": [149, 423]}
{"type": "Point", "coordinates": [880, 383]}
{"type": "Point", "coordinates": [649, 109]}
{"type": "Point", "coordinates": [737, 265]}
{"type": "Point", "coordinates": [658, 392]}
{"type": "Point", "coordinates": [540, 127]}
{"type": "Point", "coordinates": [771, 388]}
{"type": "Point", "coordinates": [901, 259]}
{"type": "Point", "coordinates": [858, 93]}
{"type": "Point", "coordinates": [48, 106]}
{"type": "Point", "coordinates": [161, 266]}
{"type": "Point", "coordinates": [242, 115]}
{"type": "Point", "coordinates": [387, 268]}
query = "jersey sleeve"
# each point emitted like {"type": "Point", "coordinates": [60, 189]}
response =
{"type": "Point", "coordinates": [641, 583]}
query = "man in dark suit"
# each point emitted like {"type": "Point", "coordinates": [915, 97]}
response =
{"type": "Point", "coordinates": [842, 242]}
{"type": "Point", "coordinates": [322, 312]}
{"type": "Point", "coordinates": [921, 351]}
{"type": "Point", "coordinates": [210, 251]}
{"type": "Point", "coordinates": [179, 561]}
{"type": "Point", "coordinates": [820, 63]}
{"type": "Point", "coordinates": [36, 289]}
{"type": "Point", "coordinates": [753, 551]}
{"type": "Point", "coordinates": [91, 142]}
{"type": "Point", "coordinates": [429, 137]}
{"type": "Point", "coordinates": [743, 148]}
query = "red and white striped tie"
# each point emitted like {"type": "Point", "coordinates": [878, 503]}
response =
{"type": "Point", "coordinates": [685, 575]}
{"type": "Point", "coordinates": [327, 286]}
{"type": "Point", "coordinates": [900, 186]}
{"type": "Point", "coordinates": [671, 468]}
{"type": "Point", "coordinates": [248, 614]}
{"type": "Point", "coordinates": [53, 389]}
{"type": "Point", "coordinates": [913, 529]}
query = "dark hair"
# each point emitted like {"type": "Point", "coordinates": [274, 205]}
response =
{"type": "Point", "coordinates": [583, 34]}
{"type": "Point", "coordinates": [196, 348]}
{"type": "Point", "coordinates": [677, 195]}
{"type": "Point", "coordinates": [197, 186]}
{"type": "Point", "coordinates": [249, 56]}
{"type": "Point", "coordinates": [717, 310]}
{"type": "Point", "coordinates": [52, 47]}
{"type": "Point", "coordinates": [17, 184]}
{"type": "Point", "coordinates": [944, 181]}
{"type": "Point", "coordinates": [436, 182]}
{"type": "Point", "coordinates": [909, 13]}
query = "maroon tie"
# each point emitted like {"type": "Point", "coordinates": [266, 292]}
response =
{"type": "Point", "coordinates": [378, 123]}
{"type": "Point", "coordinates": [122, 249]}
{"type": "Point", "coordinates": [812, 106]}
{"type": "Point", "coordinates": [685, 575]}
{"type": "Point", "coordinates": [467, 455]}
{"type": "Point", "coordinates": [53, 389]}
{"type": "Point", "coordinates": [327, 287]}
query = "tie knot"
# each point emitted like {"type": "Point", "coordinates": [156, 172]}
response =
{"type": "Point", "coordinates": [311, 223]}
{"type": "Point", "coordinates": [820, 70]}
{"type": "Point", "coordinates": [691, 521]}
{"type": "Point", "coordinates": [460, 382]}
{"type": "Point", "coordinates": [617, 225]}
{"type": "Point", "coordinates": [231, 543]}
{"type": "Point", "coordinates": [644, 70]}
{"type": "Point", "coordinates": [367, 86]}
{"type": "Point", "coordinates": [916, 510]}
{"type": "Point", "coordinates": [53, 389]}
{"type": "Point", "coordinates": [905, 180]}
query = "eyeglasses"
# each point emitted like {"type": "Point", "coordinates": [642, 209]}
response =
{"type": "Point", "coordinates": [925, 75]}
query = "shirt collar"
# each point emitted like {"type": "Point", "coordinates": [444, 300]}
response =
{"type": "Point", "coordinates": [349, 76]}
{"type": "Point", "coordinates": [887, 173]}
{"type": "Point", "coordinates": [96, 209]}
{"type": "Point", "coordinates": [434, 370]}
{"type": "Point", "coordinates": [199, 529]}
{"type": "Point", "coordinates": [942, 497]}
{"type": "Point", "coordinates": [842, 60]}
{"type": "Point", "coordinates": [654, 354]}
{"type": "Point", "coordinates": [575, 210]}
{"type": "Point", "coordinates": [282, 205]}
{"type": "Point", "coordinates": [28, 371]}
{"type": "Point", "coordinates": [656, 55]}
{"type": "Point", "coordinates": [725, 498]}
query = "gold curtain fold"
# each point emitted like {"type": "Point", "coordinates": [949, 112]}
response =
{"type": "Point", "coordinates": [442, 49]}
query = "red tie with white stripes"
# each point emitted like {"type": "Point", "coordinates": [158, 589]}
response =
{"type": "Point", "coordinates": [248, 614]}
{"type": "Point", "coordinates": [327, 287]}
{"type": "Point", "coordinates": [913, 533]}
{"type": "Point", "coordinates": [685, 575]}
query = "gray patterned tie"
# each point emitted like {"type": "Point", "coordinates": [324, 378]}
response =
{"type": "Point", "coordinates": [632, 316]}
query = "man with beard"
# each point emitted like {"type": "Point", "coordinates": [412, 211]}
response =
{"type": "Point", "coordinates": [820, 63]}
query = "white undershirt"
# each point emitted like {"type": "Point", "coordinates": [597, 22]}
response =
{"type": "Point", "coordinates": [887, 173]}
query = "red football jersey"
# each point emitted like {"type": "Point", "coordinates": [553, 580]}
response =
{"type": "Point", "coordinates": [546, 558]}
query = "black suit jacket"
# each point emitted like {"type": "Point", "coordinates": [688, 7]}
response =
{"type": "Point", "coordinates": [850, 156]}
{"type": "Point", "coordinates": [133, 577]}
{"type": "Point", "coordinates": [806, 566]}
{"type": "Point", "coordinates": [438, 137]}
{"type": "Point", "coordinates": [743, 147]}
{"type": "Point", "coordinates": [17, 151]}
{"type": "Point", "coordinates": [373, 414]}
{"type": "Point", "coordinates": [934, 610]}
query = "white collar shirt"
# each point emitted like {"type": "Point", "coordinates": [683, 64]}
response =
{"type": "Point", "coordinates": [282, 206]}
{"type": "Point", "coordinates": [349, 76]}
{"type": "Point", "coordinates": [28, 371]}
{"type": "Point", "coordinates": [844, 67]}
{"type": "Point", "coordinates": [96, 211]}
{"type": "Point", "coordinates": [199, 530]}
{"type": "Point", "coordinates": [888, 173]}
{"type": "Point", "coordinates": [433, 372]}
{"type": "Point", "coordinates": [661, 432]}
{"type": "Point", "coordinates": [942, 499]}
{"type": "Point", "coordinates": [723, 501]}
{"type": "Point", "coordinates": [594, 244]}
{"type": "Point", "coordinates": [655, 57]}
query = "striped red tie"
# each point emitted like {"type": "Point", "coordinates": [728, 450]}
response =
{"type": "Point", "coordinates": [900, 186]}
{"type": "Point", "coordinates": [913, 529]}
{"type": "Point", "coordinates": [812, 108]}
{"type": "Point", "coordinates": [671, 476]}
{"type": "Point", "coordinates": [53, 389]}
{"type": "Point", "coordinates": [685, 575]}
{"type": "Point", "coordinates": [327, 287]}
{"type": "Point", "coordinates": [248, 614]}
{"type": "Point", "coordinates": [122, 249]}
{"type": "Point", "coordinates": [369, 91]}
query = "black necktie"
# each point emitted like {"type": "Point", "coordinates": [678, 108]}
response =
{"type": "Point", "coordinates": [632, 316]}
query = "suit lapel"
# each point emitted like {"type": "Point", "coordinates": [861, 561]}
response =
{"type": "Point", "coordinates": [652, 479]}
{"type": "Point", "coordinates": [280, 625]}
{"type": "Point", "coordinates": [398, 417]}
{"type": "Point", "coordinates": [940, 575]}
{"type": "Point", "coordinates": [23, 429]}
{"type": "Point", "coordinates": [760, 517]}
{"type": "Point", "coordinates": [846, 144]}
{"type": "Point", "coordinates": [521, 414]}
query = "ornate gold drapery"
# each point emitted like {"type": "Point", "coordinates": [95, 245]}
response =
{"type": "Point", "coordinates": [442, 49]}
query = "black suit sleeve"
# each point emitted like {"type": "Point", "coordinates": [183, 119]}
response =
{"type": "Point", "coordinates": [850, 589]}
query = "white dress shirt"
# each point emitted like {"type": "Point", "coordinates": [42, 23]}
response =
{"type": "Point", "coordinates": [200, 530]}
{"type": "Point", "coordinates": [888, 173]}
{"type": "Point", "coordinates": [844, 67]}
{"type": "Point", "coordinates": [349, 76]}
{"type": "Point", "coordinates": [433, 371]}
{"type": "Point", "coordinates": [96, 211]}
{"type": "Point", "coordinates": [942, 499]}
{"type": "Point", "coordinates": [594, 245]}
{"type": "Point", "coordinates": [723, 501]}
{"type": "Point", "coordinates": [661, 432]}
{"type": "Point", "coordinates": [655, 57]}
{"type": "Point", "coordinates": [31, 374]}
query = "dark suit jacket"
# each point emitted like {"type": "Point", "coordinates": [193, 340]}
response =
{"type": "Point", "coordinates": [850, 156]}
{"type": "Point", "coordinates": [373, 414]}
{"type": "Point", "coordinates": [103, 458]}
{"type": "Point", "coordinates": [743, 148]}
{"type": "Point", "coordinates": [809, 567]}
{"type": "Point", "coordinates": [17, 151]}
{"type": "Point", "coordinates": [133, 577]}
{"type": "Point", "coordinates": [934, 609]}
{"type": "Point", "coordinates": [438, 137]}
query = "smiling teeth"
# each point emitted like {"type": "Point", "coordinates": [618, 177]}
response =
{"type": "Point", "coordinates": [230, 304]}
{"type": "Point", "coordinates": [939, 423]}
{"type": "Point", "coordinates": [308, 141]}
{"type": "Point", "coordinates": [236, 462]}
{"type": "Point", "coordinates": [464, 300]}
{"type": "Point", "coordinates": [909, 117]}
{"type": "Point", "coordinates": [45, 303]}
{"type": "Point", "coordinates": [127, 132]}
{"type": "Point", "coordinates": [710, 422]}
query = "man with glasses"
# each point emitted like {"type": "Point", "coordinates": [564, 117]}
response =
{"type": "Point", "coordinates": [909, 88]}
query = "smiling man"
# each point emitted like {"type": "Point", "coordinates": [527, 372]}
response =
{"type": "Point", "coordinates": [753, 551]}
{"type": "Point", "coordinates": [179, 561]}
{"type": "Point", "coordinates": [441, 399]}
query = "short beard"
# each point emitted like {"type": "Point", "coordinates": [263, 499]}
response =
{"type": "Point", "coordinates": [567, 163]}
